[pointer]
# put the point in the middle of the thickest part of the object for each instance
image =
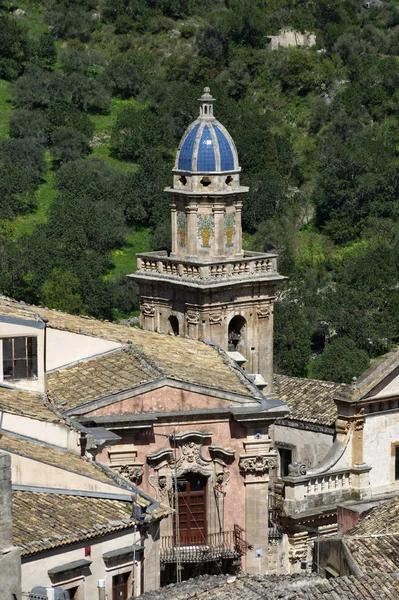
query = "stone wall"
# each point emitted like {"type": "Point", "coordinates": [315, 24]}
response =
{"type": "Point", "coordinates": [287, 38]}
{"type": "Point", "coordinates": [10, 557]}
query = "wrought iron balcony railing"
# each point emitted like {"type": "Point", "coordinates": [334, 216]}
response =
{"type": "Point", "coordinates": [225, 544]}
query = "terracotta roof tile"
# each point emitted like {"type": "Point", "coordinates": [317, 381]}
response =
{"type": "Point", "coordinates": [28, 404]}
{"type": "Point", "coordinates": [97, 378]}
{"type": "Point", "coordinates": [253, 587]}
{"type": "Point", "coordinates": [45, 520]}
{"type": "Point", "coordinates": [52, 456]}
{"type": "Point", "coordinates": [384, 518]}
{"type": "Point", "coordinates": [310, 400]}
{"type": "Point", "coordinates": [183, 359]}
{"type": "Point", "coordinates": [374, 541]}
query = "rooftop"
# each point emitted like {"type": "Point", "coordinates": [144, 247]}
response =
{"type": "Point", "coordinates": [97, 378]}
{"type": "Point", "coordinates": [27, 404]}
{"type": "Point", "coordinates": [374, 541]}
{"type": "Point", "coordinates": [178, 358]}
{"type": "Point", "coordinates": [294, 587]}
{"type": "Point", "coordinates": [310, 400]}
{"type": "Point", "coordinates": [68, 519]}
{"type": "Point", "coordinates": [51, 455]}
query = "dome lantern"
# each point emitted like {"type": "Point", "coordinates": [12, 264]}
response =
{"type": "Point", "coordinates": [206, 104]}
{"type": "Point", "coordinates": [207, 156]}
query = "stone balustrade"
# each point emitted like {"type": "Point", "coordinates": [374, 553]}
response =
{"type": "Point", "coordinates": [252, 264]}
{"type": "Point", "coordinates": [307, 492]}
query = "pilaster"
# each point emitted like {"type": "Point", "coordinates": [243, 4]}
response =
{"type": "Point", "coordinates": [255, 466]}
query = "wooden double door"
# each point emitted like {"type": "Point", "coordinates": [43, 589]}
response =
{"type": "Point", "coordinates": [192, 509]}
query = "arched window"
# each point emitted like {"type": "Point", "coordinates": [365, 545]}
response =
{"type": "Point", "coordinates": [237, 331]}
{"type": "Point", "coordinates": [173, 325]}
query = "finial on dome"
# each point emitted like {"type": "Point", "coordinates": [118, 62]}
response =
{"type": "Point", "coordinates": [206, 104]}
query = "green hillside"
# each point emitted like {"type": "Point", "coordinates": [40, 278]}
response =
{"type": "Point", "coordinates": [94, 97]}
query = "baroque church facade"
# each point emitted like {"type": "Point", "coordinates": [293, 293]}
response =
{"type": "Point", "coordinates": [209, 288]}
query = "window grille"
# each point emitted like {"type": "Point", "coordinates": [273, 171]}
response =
{"type": "Point", "coordinates": [19, 358]}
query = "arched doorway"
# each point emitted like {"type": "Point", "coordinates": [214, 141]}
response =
{"type": "Point", "coordinates": [173, 325]}
{"type": "Point", "coordinates": [237, 332]}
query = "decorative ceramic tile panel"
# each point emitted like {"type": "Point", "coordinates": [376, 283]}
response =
{"type": "Point", "coordinates": [205, 229]}
{"type": "Point", "coordinates": [182, 229]}
{"type": "Point", "coordinates": [229, 229]}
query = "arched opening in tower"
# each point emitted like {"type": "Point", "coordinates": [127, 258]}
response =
{"type": "Point", "coordinates": [173, 325]}
{"type": "Point", "coordinates": [237, 330]}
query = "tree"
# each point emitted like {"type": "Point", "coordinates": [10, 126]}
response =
{"type": "Point", "coordinates": [340, 361]}
{"type": "Point", "coordinates": [61, 292]}
{"type": "Point", "coordinates": [68, 144]}
{"type": "Point", "coordinates": [13, 48]}
{"type": "Point", "coordinates": [292, 335]}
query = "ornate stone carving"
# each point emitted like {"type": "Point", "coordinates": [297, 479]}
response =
{"type": "Point", "coordinates": [133, 473]}
{"type": "Point", "coordinates": [222, 478]}
{"type": "Point", "coordinates": [192, 317]}
{"type": "Point", "coordinates": [296, 554]}
{"type": "Point", "coordinates": [296, 469]}
{"type": "Point", "coordinates": [263, 312]}
{"type": "Point", "coordinates": [162, 485]}
{"type": "Point", "coordinates": [257, 465]}
{"type": "Point", "coordinates": [215, 318]}
{"type": "Point", "coordinates": [190, 454]}
{"type": "Point", "coordinates": [148, 310]}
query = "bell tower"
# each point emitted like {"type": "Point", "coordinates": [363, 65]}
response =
{"type": "Point", "coordinates": [208, 288]}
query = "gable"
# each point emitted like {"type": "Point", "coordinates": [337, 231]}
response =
{"type": "Point", "coordinates": [168, 398]}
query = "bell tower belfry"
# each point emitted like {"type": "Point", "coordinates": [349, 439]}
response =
{"type": "Point", "coordinates": [208, 288]}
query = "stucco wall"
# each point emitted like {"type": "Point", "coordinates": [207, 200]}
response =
{"type": "Point", "coordinates": [380, 432]}
{"type": "Point", "coordinates": [35, 568]}
{"type": "Point", "coordinates": [32, 472]}
{"type": "Point", "coordinates": [225, 434]}
{"type": "Point", "coordinates": [163, 399]}
{"type": "Point", "coordinates": [51, 433]}
{"type": "Point", "coordinates": [310, 447]}
{"type": "Point", "coordinates": [64, 347]}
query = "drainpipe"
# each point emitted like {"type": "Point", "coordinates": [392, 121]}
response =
{"type": "Point", "coordinates": [101, 589]}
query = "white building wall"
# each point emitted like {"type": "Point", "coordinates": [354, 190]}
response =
{"type": "Point", "coordinates": [51, 433]}
{"type": "Point", "coordinates": [310, 447]}
{"type": "Point", "coordinates": [381, 432]}
{"type": "Point", "coordinates": [64, 347]}
{"type": "Point", "coordinates": [35, 568]}
{"type": "Point", "coordinates": [26, 471]}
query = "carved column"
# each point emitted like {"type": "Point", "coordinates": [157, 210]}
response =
{"type": "Point", "coordinates": [255, 465]}
{"type": "Point", "coordinates": [173, 214]}
{"type": "Point", "coordinates": [238, 227]}
{"type": "Point", "coordinates": [191, 212]}
{"type": "Point", "coordinates": [218, 215]}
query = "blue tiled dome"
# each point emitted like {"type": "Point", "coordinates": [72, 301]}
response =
{"type": "Point", "coordinates": [206, 146]}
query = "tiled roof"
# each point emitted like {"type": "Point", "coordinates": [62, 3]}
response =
{"type": "Point", "coordinates": [42, 521]}
{"type": "Point", "coordinates": [97, 378]}
{"type": "Point", "coordinates": [180, 358]}
{"type": "Point", "coordinates": [310, 400]}
{"type": "Point", "coordinates": [374, 541]}
{"type": "Point", "coordinates": [378, 553]}
{"type": "Point", "coordinates": [253, 587]}
{"type": "Point", "coordinates": [51, 455]}
{"type": "Point", "coordinates": [28, 404]}
{"type": "Point", "coordinates": [382, 519]}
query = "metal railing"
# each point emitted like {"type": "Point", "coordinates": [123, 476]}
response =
{"type": "Point", "coordinates": [224, 544]}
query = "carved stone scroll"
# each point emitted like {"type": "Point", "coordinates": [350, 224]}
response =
{"type": "Point", "coordinates": [148, 310]}
{"type": "Point", "coordinates": [257, 465]}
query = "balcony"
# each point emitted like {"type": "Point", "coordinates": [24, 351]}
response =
{"type": "Point", "coordinates": [222, 545]}
{"type": "Point", "coordinates": [313, 492]}
{"type": "Point", "coordinates": [251, 265]}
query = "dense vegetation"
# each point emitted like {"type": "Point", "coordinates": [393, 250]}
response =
{"type": "Point", "coordinates": [101, 92]}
